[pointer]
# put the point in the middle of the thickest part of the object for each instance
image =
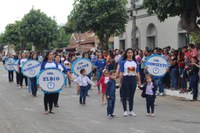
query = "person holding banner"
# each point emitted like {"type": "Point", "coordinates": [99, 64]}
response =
{"type": "Point", "coordinates": [63, 69]}
{"type": "Point", "coordinates": [34, 86]}
{"type": "Point", "coordinates": [129, 74]}
{"type": "Point", "coordinates": [49, 97]}
{"type": "Point", "coordinates": [10, 73]}
{"type": "Point", "coordinates": [21, 77]}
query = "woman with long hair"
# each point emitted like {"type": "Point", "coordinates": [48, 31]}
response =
{"type": "Point", "coordinates": [129, 74]}
{"type": "Point", "coordinates": [63, 69]}
{"type": "Point", "coordinates": [34, 86]}
{"type": "Point", "coordinates": [48, 62]}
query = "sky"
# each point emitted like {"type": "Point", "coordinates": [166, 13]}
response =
{"type": "Point", "coordinates": [12, 10]}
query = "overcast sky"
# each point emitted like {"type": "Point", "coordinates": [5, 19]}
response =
{"type": "Point", "coordinates": [11, 10]}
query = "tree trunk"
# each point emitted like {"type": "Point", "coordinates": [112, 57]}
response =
{"type": "Point", "coordinates": [103, 42]}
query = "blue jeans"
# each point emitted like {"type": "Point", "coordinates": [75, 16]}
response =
{"type": "Point", "coordinates": [111, 106]}
{"type": "Point", "coordinates": [69, 81]}
{"type": "Point", "coordinates": [83, 93]}
{"type": "Point", "coordinates": [99, 74]}
{"type": "Point", "coordinates": [194, 79]}
{"type": "Point", "coordinates": [159, 84]}
{"type": "Point", "coordinates": [183, 79]}
{"type": "Point", "coordinates": [174, 77]}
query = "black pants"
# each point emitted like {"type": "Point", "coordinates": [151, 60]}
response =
{"type": "Point", "coordinates": [150, 100]}
{"type": "Point", "coordinates": [34, 86]}
{"type": "Point", "coordinates": [128, 91]}
{"type": "Point", "coordinates": [21, 77]}
{"type": "Point", "coordinates": [17, 77]}
{"type": "Point", "coordinates": [10, 76]}
{"type": "Point", "coordinates": [48, 100]}
{"type": "Point", "coordinates": [56, 96]}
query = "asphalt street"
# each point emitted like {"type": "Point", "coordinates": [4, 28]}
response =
{"type": "Point", "coordinates": [21, 113]}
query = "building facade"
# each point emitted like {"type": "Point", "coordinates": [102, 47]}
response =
{"type": "Point", "coordinates": [150, 32]}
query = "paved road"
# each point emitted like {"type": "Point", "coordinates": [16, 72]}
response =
{"type": "Point", "coordinates": [20, 113]}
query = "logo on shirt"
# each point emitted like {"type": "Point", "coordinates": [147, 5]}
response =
{"type": "Point", "coordinates": [131, 69]}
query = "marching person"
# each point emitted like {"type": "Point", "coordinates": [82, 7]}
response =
{"type": "Point", "coordinates": [34, 86]}
{"type": "Point", "coordinates": [21, 76]}
{"type": "Point", "coordinates": [103, 81]}
{"type": "Point", "coordinates": [10, 73]}
{"type": "Point", "coordinates": [63, 69]}
{"type": "Point", "coordinates": [149, 92]}
{"type": "Point", "coordinates": [48, 62]}
{"type": "Point", "coordinates": [83, 82]}
{"type": "Point", "coordinates": [110, 93]}
{"type": "Point", "coordinates": [129, 74]}
{"type": "Point", "coordinates": [17, 72]}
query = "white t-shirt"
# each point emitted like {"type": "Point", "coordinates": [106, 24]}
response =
{"type": "Point", "coordinates": [50, 65]}
{"type": "Point", "coordinates": [129, 68]}
{"type": "Point", "coordinates": [106, 80]}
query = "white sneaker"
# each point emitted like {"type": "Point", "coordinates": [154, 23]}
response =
{"type": "Point", "coordinates": [125, 114]}
{"type": "Point", "coordinates": [161, 94]}
{"type": "Point", "coordinates": [132, 114]}
{"type": "Point", "coordinates": [27, 87]}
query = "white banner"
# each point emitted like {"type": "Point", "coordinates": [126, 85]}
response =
{"type": "Point", "coordinates": [51, 80]}
{"type": "Point", "coordinates": [9, 65]}
{"type": "Point", "coordinates": [31, 68]}
{"type": "Point", "coordinates": [82, 64]}
{"type": "Point", "coordinates": [156, 65]}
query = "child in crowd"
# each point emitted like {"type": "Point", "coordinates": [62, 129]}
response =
{"type": "Point", "coordinates": [103, 81]}
{"type": "Point", "coordinates": [83, 81]}
{"type": "Point", "coordinates": [149, 92]}
{"type": "Point", "coordinates": [110, 93]}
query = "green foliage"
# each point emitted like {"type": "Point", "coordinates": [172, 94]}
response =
{"type": "Point", "coordinates": [195, 38]}
{"type": "Point", "coordinates": [38, 28]}
{"type": "Point", "coordinates": [11, 34]}
{"type": "Point", "coordinates": [188, 10]}
{"type": "Point", "coordinates": [104, 17]}
{"type": "Point", "coordinates": [63, 38]}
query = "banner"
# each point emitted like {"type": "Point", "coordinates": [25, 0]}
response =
{"type": "Point", "coordinates": [9, 65]}
{"type": "Point", "coordinates": [156, 65]}
{"type": "Point", "coordinates": [31, 68]}
{"type": "Point", "coordinates": [82, 64]}
{"type": "Point", "coordinates": [51, 80]}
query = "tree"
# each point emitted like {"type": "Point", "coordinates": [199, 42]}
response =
{"type": "Point", "coordinates": [38, 28]}
{"type": "Point", "coordinates": [104, 17]}
{"type": "Point", "coordinates": [63, 38]}
{"type": "Point", "coordinates": [188, 10]}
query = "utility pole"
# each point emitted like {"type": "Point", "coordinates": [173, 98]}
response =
{"type": "Point", "coordinates": [133, 33]}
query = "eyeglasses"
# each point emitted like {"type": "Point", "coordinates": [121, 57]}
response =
{"type": "Point", "coordinates": [106, 73]}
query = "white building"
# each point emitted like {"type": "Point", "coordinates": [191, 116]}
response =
{"type": "Point", "coordinates": [151, 32]}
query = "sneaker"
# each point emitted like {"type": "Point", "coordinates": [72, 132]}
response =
{"type": "Point", "coordinates": [148, 114]}
{"type": "Point", "coordinates": [125, 114]}
{"type": "Point", "coordinates": [27, 87]}
{"type": "Point", "coordinates": [152, 115]}
{"type": "Point", "coordinates": [46, 112]}
{"type": "Point", "coordinates": [113, 115]}
{"type": "Point", "coordinates": [98, 92]}
{"type": "Point", "coordinates": [109, 117]}
{"type": "Point", "coordinates": [132, 114]}
{"type": "Point", "coordinates": [20, 86]}
{"type": "Point", "coordinates": [161, 94]}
